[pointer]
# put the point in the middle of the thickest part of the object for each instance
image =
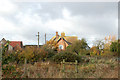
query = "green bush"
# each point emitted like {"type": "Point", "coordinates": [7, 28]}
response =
{"type": "Point", "coordinates": [84, 52]}
{"type": "Point", "coordinates": [69, 57]}
{"type": "Point", "coordinates": [114, 47]}
{"type": "Point", "coordinates": [10, 57]}
{"type": "Point", "coordinates": [80, 47]}
{"type": "Point", "coordinates": [11, 71]}
{"type": "Point", "coordinates": [30, 53]}
{"type": "Point", "coordinates": [51, 51]}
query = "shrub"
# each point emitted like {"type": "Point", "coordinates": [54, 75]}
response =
{"type": "Point", "coordinates": [37, 54]}
{"type": "Point", "coordinates": [114, 47]}
{"type": "Point", "coordinates": [8, 57]}
{"type": "Point", "coordinates": [11, 71]}
{"type": "Point", "coordinates": [69, 57]}
{"type": "Point", "coordinates": [84, 52]}
{"type": "Point", "coordinates": [33, 54]}
{"type": "Point", "coordinates": [77, 46]}
{"type": "Point", "coordinates": [50, 50]}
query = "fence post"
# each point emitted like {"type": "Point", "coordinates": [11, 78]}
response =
{"type": "Point", "coordinates": [76, 66]}
{"type": "Point", "coordinates": [63, 68]}
{"type": "Point", "coordinates": [25, 66]}
{"type": "Point", "coordinates": [63, 65]}
{"type": "Point", "coordinates": [25, 72]}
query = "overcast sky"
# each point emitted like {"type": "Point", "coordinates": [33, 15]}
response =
{"type": "Point", "coordinates": [20, 21]}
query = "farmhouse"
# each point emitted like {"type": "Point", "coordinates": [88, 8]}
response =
{"type": "Point", "coordinates": [63, 41]}
{"type": "Point", "coordinates": [12, 45]}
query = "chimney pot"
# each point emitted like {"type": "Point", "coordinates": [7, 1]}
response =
{"type": "Point", "coordinates": [62, 34]}
{"type": "Point", "coordinates": [57, 35]}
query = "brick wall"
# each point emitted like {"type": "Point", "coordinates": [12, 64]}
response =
{"type": "Point", "coordinates": [62, 42]}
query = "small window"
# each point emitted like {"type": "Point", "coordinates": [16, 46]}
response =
{"type": "Point", "coordinates": [60, 46]}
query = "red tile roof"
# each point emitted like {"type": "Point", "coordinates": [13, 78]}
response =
{"type": "Point", "coordinates": [16, 43]}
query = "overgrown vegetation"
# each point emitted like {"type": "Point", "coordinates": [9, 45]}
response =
{"type": "Point", "coordinates": [69, 57]}
{"type": "Point", "coordinates": [98, 67]}
{"type": "Point", "coordinates": [41, 62]}
{"type": "Point", "coordinates": [79, 47]}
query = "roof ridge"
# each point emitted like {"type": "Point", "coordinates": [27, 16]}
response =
{"type": "Point", "coordinates": [15, 41]}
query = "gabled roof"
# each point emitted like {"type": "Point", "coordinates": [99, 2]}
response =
{"type": "Point", "coordinates": [3, 41]}
{"type": "Point", "coordinates": [64, 40]}
{"type": "Point", "coordinates": [54, 38]}
{"type": "Point", "coordinates": [71, 39]}
{"type": "Point", "coordinates": [16, 43]}
{"type": "Point", "coordinates": [68, 39]}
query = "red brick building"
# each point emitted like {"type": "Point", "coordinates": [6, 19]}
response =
{"type": "Point", "coordinates": [63, 41]}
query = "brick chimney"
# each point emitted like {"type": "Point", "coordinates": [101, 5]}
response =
{"type": "Point", "coordinates": [62, 34]}
{"type": "Point", "coordinates": [57, 35]}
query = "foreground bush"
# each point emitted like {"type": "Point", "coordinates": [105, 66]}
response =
{"type": "Point", "coordinates": [51, 51]}
{"type": "Point", "coordinates": [11, 71]}
{"type": "Point", "coordinates": [69, 57]}
{"type": "Point", "coordinates": [9, 57]}
{"type": "Point", "coordinates": [33, 54]}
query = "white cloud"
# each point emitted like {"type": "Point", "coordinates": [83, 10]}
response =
{"type": "Point", "coordinates": [27, 22]}
{"type": "Point", "coordinates": [28, 19]}
{"type": "Point", "coordinates": [6, 26]}
{"type": "Point", "coordinates": [7, 7]}
{"type": "Point", "coordinates": [70, 24]}
{"type": "Point", "coordinates": [66, 13]}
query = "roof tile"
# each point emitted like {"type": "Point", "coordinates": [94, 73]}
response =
{"type": "Point", "coordinates": [15, 43]}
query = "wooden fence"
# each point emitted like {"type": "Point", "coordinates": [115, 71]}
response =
{"type": "Point", "coordinates": [70, 63]}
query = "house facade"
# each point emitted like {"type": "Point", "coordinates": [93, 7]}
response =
{"type": "Point", "coordinates": [3, 42]}
{"type": "Point", "coordinates": [63, 41]}
{"type": "Point", "coordinates": [12, 45]}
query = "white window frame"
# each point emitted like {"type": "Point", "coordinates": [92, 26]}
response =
{"type": "Point", "coordinates": [60, 46]}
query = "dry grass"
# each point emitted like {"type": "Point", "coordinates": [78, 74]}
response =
{"type": "Point", "coordinates": [101, 68]}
